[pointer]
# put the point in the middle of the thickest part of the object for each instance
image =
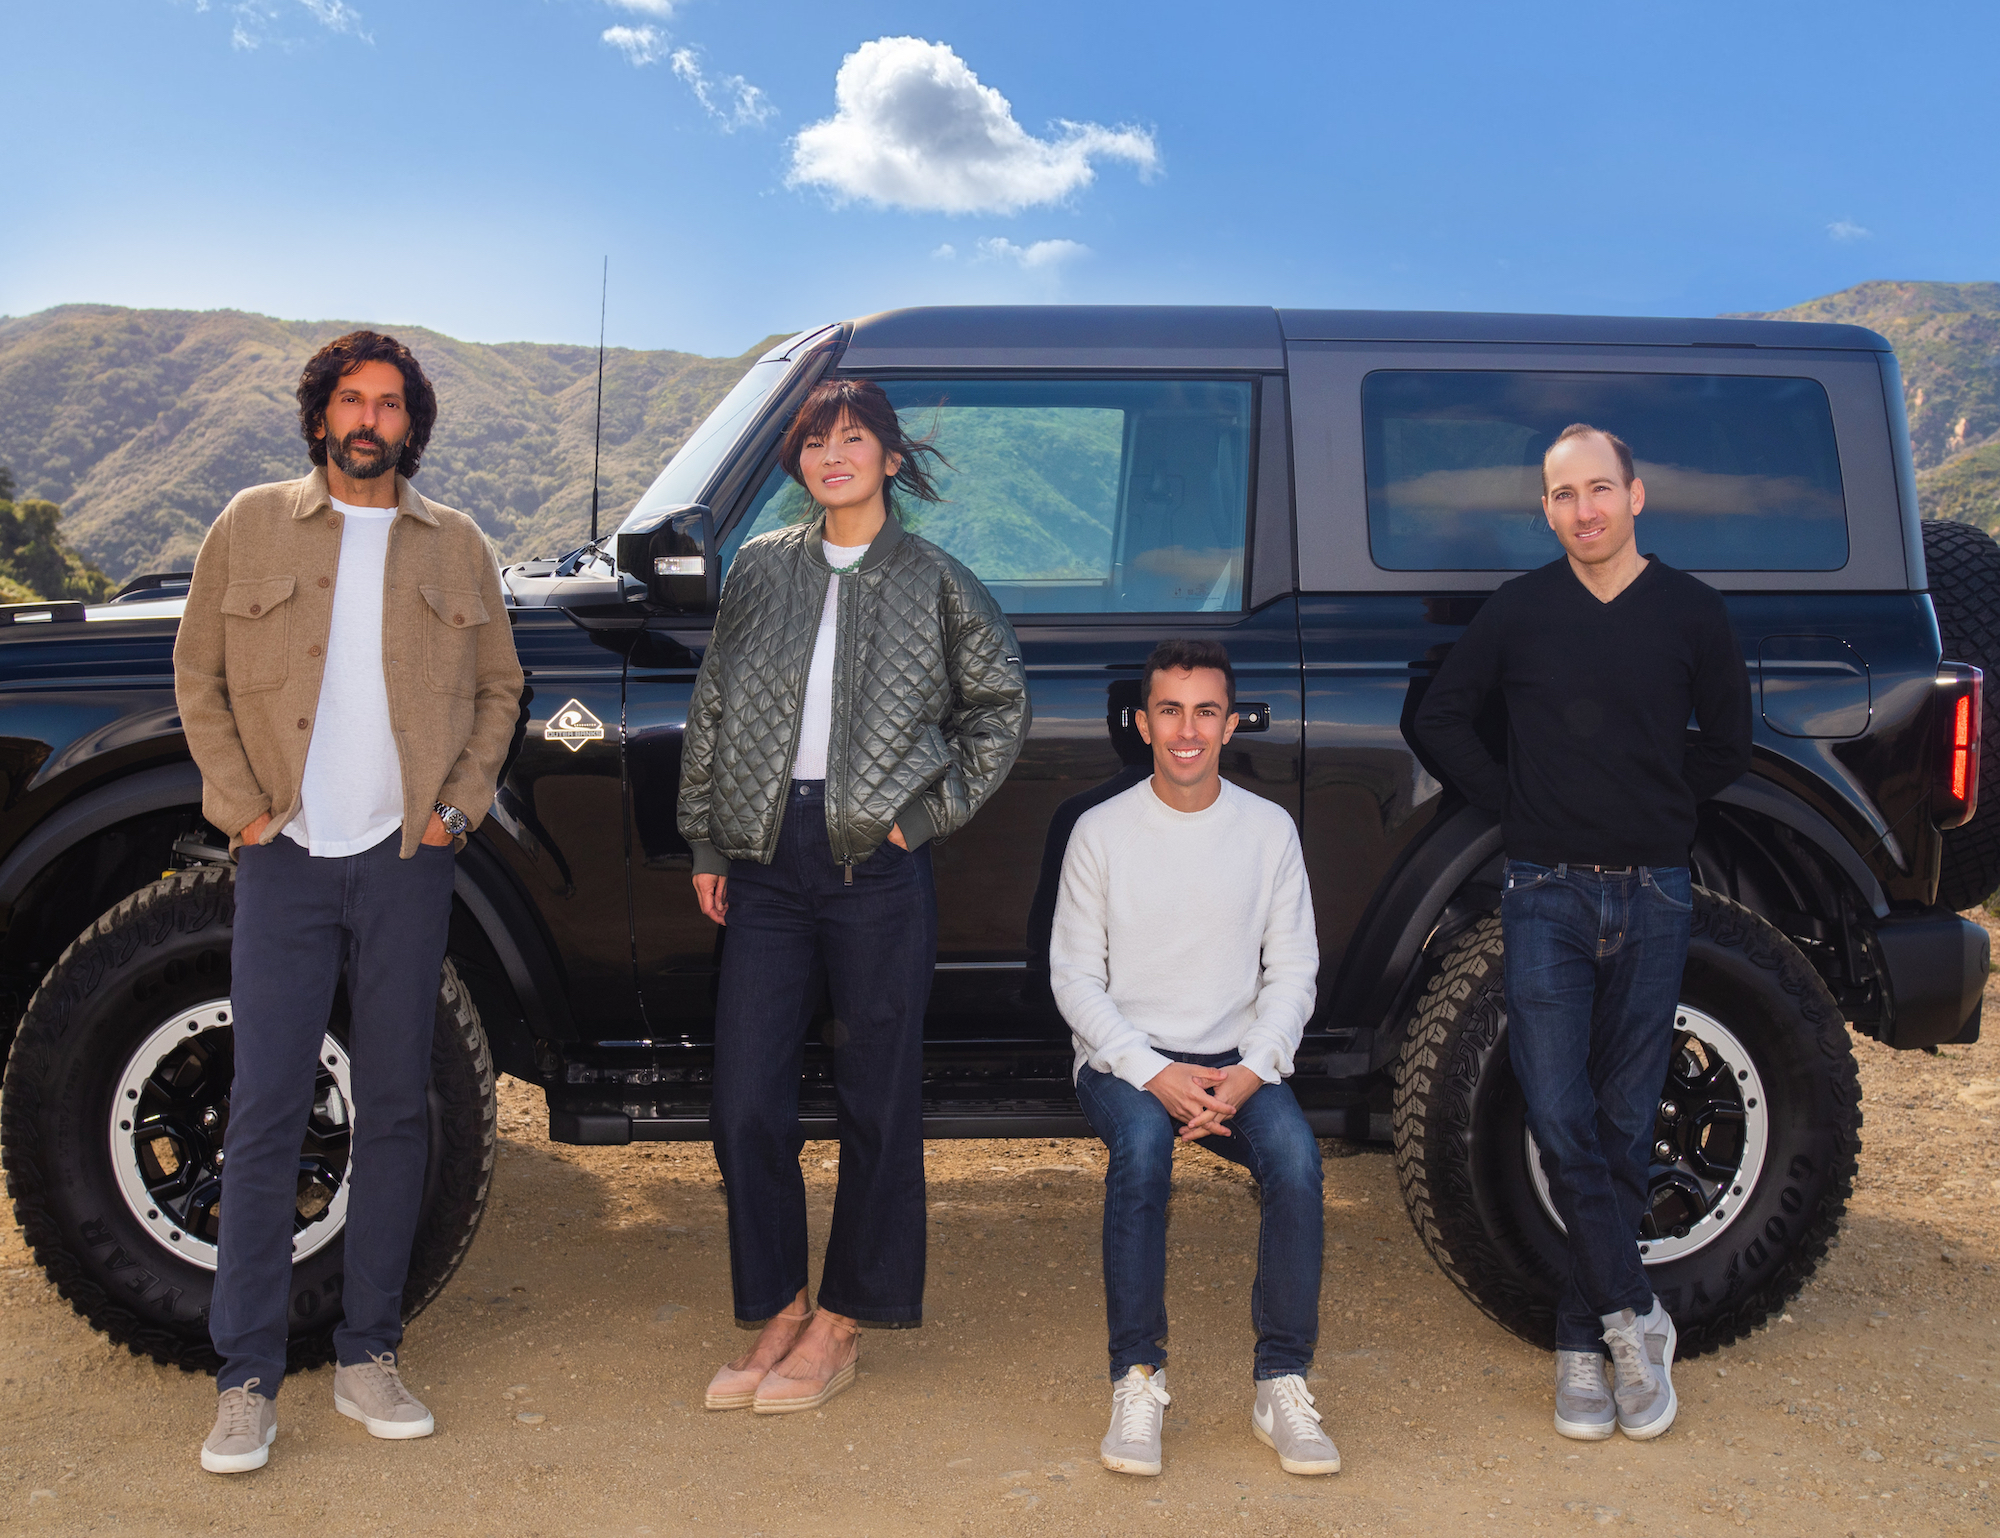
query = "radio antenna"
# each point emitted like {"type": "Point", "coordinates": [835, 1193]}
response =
{"type": "Point", "coordinates": [597, 445]}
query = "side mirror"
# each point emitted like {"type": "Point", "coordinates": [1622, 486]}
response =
{"type": "Point", "coordinates": [669, 552]}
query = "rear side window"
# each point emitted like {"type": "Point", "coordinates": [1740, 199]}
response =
{"type": "Point", "coordinates": [1741, 474]}
{"type": "Point", "coordinates": [1074, 496]}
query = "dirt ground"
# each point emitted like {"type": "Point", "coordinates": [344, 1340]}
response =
{"type": "Point", "coordinates": [566, 1363]}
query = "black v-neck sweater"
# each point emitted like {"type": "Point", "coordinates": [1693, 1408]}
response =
{"type": "Point", "coordinates": [1601, 768]}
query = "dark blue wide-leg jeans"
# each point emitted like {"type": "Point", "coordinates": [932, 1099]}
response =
{"type": "Point", "coordinates": [1593, 976]}
{"type": "Point", "coordinates": [794, 925]}
{"type": "Point", "coordinates": [1274, 1142]}
{"type": "Point", "coordinates": [300, 922]}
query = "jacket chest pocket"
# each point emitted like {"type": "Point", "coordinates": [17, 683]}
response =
{"type": "Point", "coordinates": [256, 633]}
{"type": "Point", "coordinates": [451, 639]}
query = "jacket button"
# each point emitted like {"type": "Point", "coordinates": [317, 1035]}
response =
{"type": "Point", "coordinates": [302, 723]}
{"type": "Point", "coordinates": [325, 582]}
{"type": "Point", "coordinates": [312, 651]}
{"type": "Point", "coordinates": [333, 522]}
{"type": "Point", "coordinates": [458, 619]}
{"type": "Point", "coordinates": [256, 609]}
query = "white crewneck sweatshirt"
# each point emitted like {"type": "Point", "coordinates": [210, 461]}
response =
{"type": "Point", "coordinates": [351, 794]}
{"type": "Point", "coordinates": [816, 719]}
{"type": "Point", "coordinates": [1184, 932]}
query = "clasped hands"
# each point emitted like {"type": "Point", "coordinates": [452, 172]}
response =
{"type": "Point", "coordinates": [1202, 1099]}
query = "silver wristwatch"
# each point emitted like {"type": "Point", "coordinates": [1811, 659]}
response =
{"type": "Point", "coordinates": [453, 819]}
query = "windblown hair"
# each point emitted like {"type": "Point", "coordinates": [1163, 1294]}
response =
{"type": "Point", "coordinates": [1585, 430]}
{"type": "Point", "coordinates": [341, 357]}
{"type": "Point", "coordinates": [863, 402]}
{"type": "Point", "coordinates": [1177, 655]}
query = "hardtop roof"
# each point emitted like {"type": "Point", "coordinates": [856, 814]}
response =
{"type": "Point", "coordinates": [1246, 336]}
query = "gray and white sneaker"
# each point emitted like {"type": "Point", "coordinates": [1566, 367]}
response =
{"type": "Point", "coordinates": [372, 1392]}
{"type": "Point", "coordinates": [1285, 1421]}
{"type": "Point", "coordinates": [1642, 1367]}
{"type": "Point", "coordinates": [1584, 1409]}
{"type": "Point", "coordinates": [246, 1424]}
{"type": "Point", "coordinates": [1138, 1402]}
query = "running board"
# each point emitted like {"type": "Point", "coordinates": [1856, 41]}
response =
{"type": "Point", "coordinates": [614, 1128]}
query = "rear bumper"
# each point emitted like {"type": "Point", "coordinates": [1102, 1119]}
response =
{"type": "Point", "coordinates": [1936, 964]}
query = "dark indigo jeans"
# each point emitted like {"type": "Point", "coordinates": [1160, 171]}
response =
{"type": "Point", "coordinates": [1593, 976]}
{"type": "Point", "coordinates": [1276, 1145]}
{"type": "Point", "coordinates": [794, 925]}
{"type": "Point", "coordinates": [300, 922]}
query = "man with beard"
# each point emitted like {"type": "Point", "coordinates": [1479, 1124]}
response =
{"type": "Point", "coordinates": [346, 677]}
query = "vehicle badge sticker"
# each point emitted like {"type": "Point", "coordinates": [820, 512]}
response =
{"type": "Point", "coordinates": [573, 726]}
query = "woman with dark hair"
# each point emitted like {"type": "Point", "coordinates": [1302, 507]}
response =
{"type": "Point", "coordinates": [861, 696]}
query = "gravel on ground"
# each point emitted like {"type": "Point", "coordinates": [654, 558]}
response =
{"type": "Point", "coordinates": [566, 1362]}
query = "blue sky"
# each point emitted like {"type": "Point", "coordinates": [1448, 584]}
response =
{"type": "Point", "coordinates": [751, 168]}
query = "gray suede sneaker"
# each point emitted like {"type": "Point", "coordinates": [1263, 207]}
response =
{"type": "Point", "coordinates": [1132, 1445]}
{"type": "Point", "coordinates": [1642, 1365]}
{"type": "Point", "coordinates": [246, 1424]}
{"type": "Point", "coordinates": [1286, 1422]}
{"type": "Point", "coordinates": [1584, 1409]}
{"type": "Point", "coordinates": [372, 1392]}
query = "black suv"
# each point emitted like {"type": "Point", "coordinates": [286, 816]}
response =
{"type": "Point", "coordinates": [1331, 494]}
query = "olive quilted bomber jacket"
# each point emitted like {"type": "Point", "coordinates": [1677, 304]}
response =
{"type": "Point", "coordinates": [930, 701]}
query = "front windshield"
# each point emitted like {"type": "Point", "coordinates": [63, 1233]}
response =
{"type": "Point", "coordinates": [689, 472]}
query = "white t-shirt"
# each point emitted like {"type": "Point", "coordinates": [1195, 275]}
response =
{"type": "Point", "coordinates": [1184, 932]}
{"type": "Point", "coordinates": [816, 721]}
{"type": "Point", "coordinates": [351, 797]}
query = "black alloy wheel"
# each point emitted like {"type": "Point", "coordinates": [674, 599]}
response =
{"type": "Point", "coordinates": [1755, 1139]}
{"type": "Point", "coordinates": [114, 1123]}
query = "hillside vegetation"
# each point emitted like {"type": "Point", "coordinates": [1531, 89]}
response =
{"type": "Point", "coordinates": [1947, 339]}
{"type": "Point", "coordinates": [143, 423]}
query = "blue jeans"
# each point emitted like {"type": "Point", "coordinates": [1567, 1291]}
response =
{"type": "Point", "coordinates": [795, 926]}
{"type": "Point", "coordinates": [1593, 975]}
{"type": "Point", "coordinates": [1274, 1143]}
{"type": "Point", "coordinates": [301, 922]}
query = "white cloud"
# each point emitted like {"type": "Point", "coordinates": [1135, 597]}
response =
{"type": "Point", "coordinates": [1043, 255]}
{"type": "Point", "coordinates": [914, 128]}
{"type": "Point", "coordinates": [336, 16]}
{"type": "Point", "coordinates": [730, 99]}
{"type": "Point", "coordinates": [663, 9]}
{"type": "Point", "coordinates": [945, 252]}
{"type": "Point", "coordinates": [640, 45]}
{"type": "Point", "coordinates": [253, 23]}
{"type": "Point", "coordinates": [1846, 231]}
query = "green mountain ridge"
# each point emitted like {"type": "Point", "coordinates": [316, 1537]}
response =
{"type": "Point", "coordinates": [143, 423]}
{"type": "Point", "coordinates": [1947, 340]}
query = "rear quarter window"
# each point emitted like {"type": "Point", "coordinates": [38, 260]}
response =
{"type": "Point", "coordinates": [1741, 473]}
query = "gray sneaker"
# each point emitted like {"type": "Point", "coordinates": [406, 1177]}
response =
{"type": "Point", "coordinates": [1642, 1366]}
{"type": "Point", "coordinates": [1285, 1421]}
{"type": "Point", "coordinates": [373, 1394]}
{"type": "Point", "coordinates": [1584, 1409]}
{"type": "Point", "coordinates": [246, 1424]}
{"type": "Point", "coordinates": [1138, 1400]}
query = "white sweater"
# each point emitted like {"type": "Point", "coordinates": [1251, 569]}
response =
{"type": "Point", "coordinates": [1184, 931]}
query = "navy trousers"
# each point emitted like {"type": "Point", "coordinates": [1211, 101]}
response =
{"type": "Point", "coordinates": [1593, 976]}
{"type": "Point", "coordinates": [1271, 1138]}
{"type": "Point", "coordinates": [301, 922]}
{"type": "Point", "coordinates": [795, 925]}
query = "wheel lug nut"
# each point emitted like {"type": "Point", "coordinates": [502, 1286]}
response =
{"type": "Point", "coordinates": [1664, 1151]}
{"type": "Point", "coordinates": [1669, 1111]}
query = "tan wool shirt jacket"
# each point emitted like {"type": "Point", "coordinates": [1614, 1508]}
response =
{"type": "Point", "coordinates": [252, 647]}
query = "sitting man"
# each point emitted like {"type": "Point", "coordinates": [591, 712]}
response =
{"type": "Point", "coordinates": [1184, 959]}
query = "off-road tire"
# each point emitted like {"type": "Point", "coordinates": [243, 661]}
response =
{"type": "Point", "coordinates": [1964, 566]}
{"type": "Point", "coordinates": [1460, 1150]}
{"type": "Point", "coordinates": [162, 950]}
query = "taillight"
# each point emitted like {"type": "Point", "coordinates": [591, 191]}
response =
{"type": "Point", "coordinates": [1956, 797]}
